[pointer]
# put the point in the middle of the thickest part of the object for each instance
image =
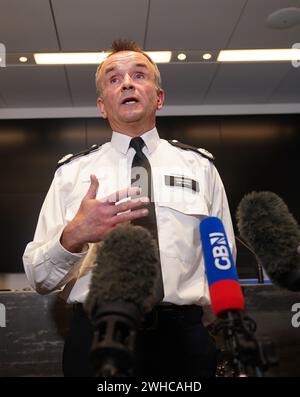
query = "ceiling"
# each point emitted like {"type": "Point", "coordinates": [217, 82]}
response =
{"type": "Point", "coordinates": [191, 88]}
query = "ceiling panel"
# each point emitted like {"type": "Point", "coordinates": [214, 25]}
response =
{"type": "Point", "coordinates": [186, 84]}
{"type": "Point", "coordinates": [191, 24]}
{"type": "Point", "coordinates": [82, 83]}
{"type": "Point", "coordinates": [245, 83]}
{"type": "Point", "coordinates": [27, 26]}
{"type": "Point", "coordinates": [92, 25]}
{"type": "Point", "coordinates": [34, 86]}
{"type": "Point", "coordinates": [88, 25]}
{"type": "Point", "coordinates": [252, 31]}
{"type": "Point", "coordinates": [289, 88]}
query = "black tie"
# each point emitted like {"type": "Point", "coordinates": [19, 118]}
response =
{"type": "Point", "coordinates": [141, 176]}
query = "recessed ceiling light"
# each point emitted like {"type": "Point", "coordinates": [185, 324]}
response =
{"type": "Point", "coordinates": [69, 58]}
{"type": "Point", "coordinates": [23, 59]}
{"type": "Point", "coordinates": [284, 54]}
{"type": "Point", "coordinates": [206, 56]}
{"type": "Point", "coordinates": [160, 56]}
{"type": "Point", "coordinates": [181, 56]}
{"type": "Point", "coordinates": [63, 58]}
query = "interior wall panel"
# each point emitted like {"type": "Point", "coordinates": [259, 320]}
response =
{"type": "Point", "coordinates": [251, 153]}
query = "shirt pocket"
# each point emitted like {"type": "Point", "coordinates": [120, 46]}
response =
{"type": "Point", "coordinates": [178, 223]}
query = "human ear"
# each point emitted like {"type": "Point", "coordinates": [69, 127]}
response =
{"type": "Point", "coordinates": [160, 98]}
{"type": "Point", "coordinates": [101, 107]}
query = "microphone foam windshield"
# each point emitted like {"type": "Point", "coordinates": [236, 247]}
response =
{"type": "Point", "coordinates": [127, 270]}
{"type": "Point", "coordinates": [267, 225]}
{"type": "Point", "coordinates": [224, 288]}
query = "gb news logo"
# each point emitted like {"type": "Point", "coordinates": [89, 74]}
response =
{"type": "Point", "coordinates": [220, 251]}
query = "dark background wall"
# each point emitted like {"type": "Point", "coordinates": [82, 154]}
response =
{"type": "Point", "coordinates": [252, 153]}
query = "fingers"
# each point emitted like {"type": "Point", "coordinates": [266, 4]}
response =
{"type": "Point", "coordinates": [129, 205]}
{"type": "Point", "coordinates": [129, 216]}
{"type": "Point", "coordinates": [121, 194]}
{"type": "Point", "coordinates": [92, 192]}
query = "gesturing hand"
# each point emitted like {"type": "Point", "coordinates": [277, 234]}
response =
{"type": "Point", "coordinates": [95, 218]}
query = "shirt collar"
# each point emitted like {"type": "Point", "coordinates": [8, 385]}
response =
{"type": "Point", "coordinates": [121, 141]}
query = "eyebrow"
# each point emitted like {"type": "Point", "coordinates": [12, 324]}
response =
{"type": "Point", "coordinates": [139, 65]}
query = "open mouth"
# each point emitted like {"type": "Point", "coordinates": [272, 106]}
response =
{"type": "Point", "coordinates": [129, 101]}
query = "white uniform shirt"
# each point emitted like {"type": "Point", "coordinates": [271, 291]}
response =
{"type": "Point", "coordinates": [196, 191]}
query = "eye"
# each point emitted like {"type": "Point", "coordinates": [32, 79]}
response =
{"type": "Point", "coordinates": [113, 80]}
{"type": "Point", "coordinates": [139, 76]}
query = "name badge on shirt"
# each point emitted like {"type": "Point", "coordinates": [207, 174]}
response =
{"type": "Point", "coordinates": [182, 181]}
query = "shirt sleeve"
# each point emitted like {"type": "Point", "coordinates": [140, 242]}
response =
{"type": "Point", "coordinates": [47, 264]}
{"type": "Point", "coordinates": [219, 207]}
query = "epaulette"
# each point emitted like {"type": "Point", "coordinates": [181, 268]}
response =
{"type": "Point", "coordinates": [205, 153]}
{"type": "Point", "coordinates": [69, 157]}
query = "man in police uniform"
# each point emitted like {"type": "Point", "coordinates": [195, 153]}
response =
{"type": "Point", "coordinates": [83, 205]}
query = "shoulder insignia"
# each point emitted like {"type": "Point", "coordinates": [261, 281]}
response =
{"type": "Point", "coordinates": [205, 153]}
{"type": "Point", "coordinates": [69, 157]}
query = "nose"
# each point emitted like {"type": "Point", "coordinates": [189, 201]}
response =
{"type": "Point", "coordinates": [127, 82]}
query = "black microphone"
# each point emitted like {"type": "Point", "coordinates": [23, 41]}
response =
{"type": "Point", "coordinates": [265, 222]}
{"type": "Point", "coordinates": [122, 289]}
